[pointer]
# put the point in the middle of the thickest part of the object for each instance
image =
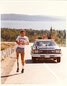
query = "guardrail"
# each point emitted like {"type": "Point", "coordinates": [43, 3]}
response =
{"type": "Point", "coordinates": [7, 52]}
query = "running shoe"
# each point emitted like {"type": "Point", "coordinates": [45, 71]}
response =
{"type": "Point", "coordinates": [17, 70]}
{"type": "Point", "coordinates": [22, 71]}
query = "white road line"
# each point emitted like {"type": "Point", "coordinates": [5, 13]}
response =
{"type": "Point", "coordinates": [50, 70]}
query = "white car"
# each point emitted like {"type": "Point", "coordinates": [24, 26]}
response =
{"type": "Point", "coordinates": [45, 49]}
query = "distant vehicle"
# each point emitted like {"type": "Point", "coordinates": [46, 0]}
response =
{"type": "Point", "coordinates": [45, 49]}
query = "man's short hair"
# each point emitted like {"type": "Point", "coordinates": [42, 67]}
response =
{"type": "Point", "coordinates": [22, 31]}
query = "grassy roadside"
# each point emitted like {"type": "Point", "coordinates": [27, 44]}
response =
{"type": "Point", "coordinates": [7, 45]}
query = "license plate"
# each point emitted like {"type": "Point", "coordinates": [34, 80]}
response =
{"type": "Point", "coordinates": [47, 56]}
{"type": "Point", "coordinates": [42, 55]}
{"type": "Point", "coordinates": [52, 56]}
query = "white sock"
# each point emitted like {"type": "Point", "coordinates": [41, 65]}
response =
{"type": "Point", "coordinates": [22, 67]}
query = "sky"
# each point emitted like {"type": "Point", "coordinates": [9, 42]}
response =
{"type": "Point", "coordinates": [32, 7]}
{"type": "Point", "coordinates": [35, 7]}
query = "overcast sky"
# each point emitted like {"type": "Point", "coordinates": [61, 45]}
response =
{"type": "Point", "coordinates": [30, 7]}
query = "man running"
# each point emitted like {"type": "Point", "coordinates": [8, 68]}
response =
{"type": "Point", "coordinates": [21, 40]}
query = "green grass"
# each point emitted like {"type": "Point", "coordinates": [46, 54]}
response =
{"type": "Point", "coordinates": [7, 45]}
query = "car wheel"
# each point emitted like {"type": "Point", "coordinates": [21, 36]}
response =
{"type": "Point", "coordinates": [33, 59]}
{"type": "Point", "coordinates": [58, 59]}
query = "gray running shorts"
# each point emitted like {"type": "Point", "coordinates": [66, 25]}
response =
{"type": "Point", "coordinates": [19, 50]}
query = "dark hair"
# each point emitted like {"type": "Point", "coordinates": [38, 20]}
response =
{"type": "Point", "coordinates": [22, 31]}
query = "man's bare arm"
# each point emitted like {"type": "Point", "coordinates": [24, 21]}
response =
{"type": "Point", "coordinates": [17, 42]}
{"type": "Point", "coordinates": [27, 43]}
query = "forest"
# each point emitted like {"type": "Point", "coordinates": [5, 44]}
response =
{"type": "Point", "coordinates": [10, 35]}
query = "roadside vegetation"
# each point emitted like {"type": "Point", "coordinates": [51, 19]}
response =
{"type": "Point", "coordinates": [10, 35]}
{"type": "Point", "coordinates": [6, 45]}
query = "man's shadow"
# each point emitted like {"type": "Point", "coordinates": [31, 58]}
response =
{"type": "Point", "coordinates": [29, 61]}
{"type": "Point", "coordinates": [10, 75]}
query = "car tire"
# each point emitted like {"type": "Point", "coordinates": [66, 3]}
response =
{"type": "Point", "coordinates": [58, 59]}
{"type": "Point", "coordinates": [33, 59]}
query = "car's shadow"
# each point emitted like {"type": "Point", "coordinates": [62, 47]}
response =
{"type": "Point", "coordinates": [29, 61]}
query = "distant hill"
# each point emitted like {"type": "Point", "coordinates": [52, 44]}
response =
{"type": "Point", "coordinates": [22, 17]}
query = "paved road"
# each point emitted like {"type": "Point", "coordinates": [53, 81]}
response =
{"type": "Point", "coordinates": [48, 72]}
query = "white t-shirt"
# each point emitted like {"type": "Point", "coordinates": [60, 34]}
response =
{"type": "Point", "coordinates": [22, 40]}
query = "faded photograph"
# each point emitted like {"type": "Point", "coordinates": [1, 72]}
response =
{"type": "Point", "coordinates": [33, 43]}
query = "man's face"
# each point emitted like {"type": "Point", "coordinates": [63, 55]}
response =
{"type": "Point", "coordinates": [23, 34]}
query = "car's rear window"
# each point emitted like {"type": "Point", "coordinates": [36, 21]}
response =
{"type": "Point", "coordinates": [45, 43]}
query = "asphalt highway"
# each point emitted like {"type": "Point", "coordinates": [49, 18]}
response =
{"type": "Point", "coordinates": [47, 72]}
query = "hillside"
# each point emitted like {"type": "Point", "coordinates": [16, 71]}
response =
{"type": "Point", "coordinates": [22, 17]}
{"type": "Point", "coordinates": [11, 34]}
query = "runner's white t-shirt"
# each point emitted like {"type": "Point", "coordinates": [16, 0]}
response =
{"type": "Point", "coordinates": [22, 40]}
